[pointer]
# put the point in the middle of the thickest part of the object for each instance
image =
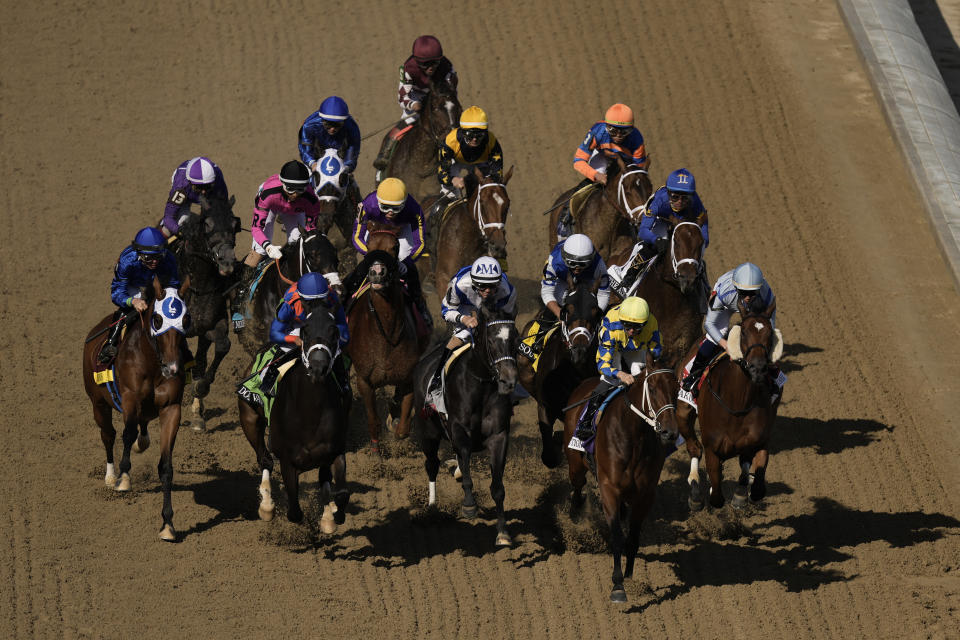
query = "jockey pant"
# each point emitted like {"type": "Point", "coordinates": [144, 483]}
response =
{"type": "Point", "coordinates": [291, 226]}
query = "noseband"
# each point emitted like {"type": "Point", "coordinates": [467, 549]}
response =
{"type": "Point", "coordinates": [490, 363]}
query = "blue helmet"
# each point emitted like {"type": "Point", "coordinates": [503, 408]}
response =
{"type": "Point", "coordinates": [150, 240]}
{"type": "Point", "coordinates": [312, 286]}
{"type": "Point", "coordinates": [334, 109]}
{"type": "Point", "coordinates": [681, 181]}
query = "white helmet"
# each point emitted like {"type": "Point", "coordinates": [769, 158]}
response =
{"type": "Point", "coordinates": [577, 251]}
{"type": "Point", "coordinates": [200, 171]}
{"type": "Point", "coordinates": [485, 270]}
{"type": "Point", "coordinates": [747, 277]}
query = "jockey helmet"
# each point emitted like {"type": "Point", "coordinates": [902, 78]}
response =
{"type": "Point", "coordinates": [577, 251]}
{"type": "Point", "coordinates": [473, 118]}
{"type": "Point", "coordinates": [634, 311]}
{"type": "Point", "coordinates": [149, 241]}
{"type": "Point", "coordinates": [426, 49]}
{"type": "Point", "coordinates": [200, 171]}
{"type": "Point", "coordinates": [681, 181]}
{"type": "Point", "coordinates": [312, 286]}
{"type": "Point", "coordinates": [485, 271]}
{"type": "Point", "coordinates": [391, 194]}
{"type": "Point", "coordinates": [619, 115]}
{"type": "Point", "coordinates": [334, 109]}
{"type": "Point", "coordinates": [294, 176]}
{"type": "Point", "coordinates": [747, 278]}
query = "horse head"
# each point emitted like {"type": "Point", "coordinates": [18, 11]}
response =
{"type": "Point", "coordinates": [656, 397]}
{"type": "Point", "coordinates": [632, 185]}
{"type": "Point", "coordinates": [579, 319]}
{"type": "Point", "coordinates": [496, 339]}
{"type": "Point", "coordinates": [441, 110]}
{"type": "Point", "coordinates": [489, 204]}
{"type": "Point", "coordinates": [169, 323]}
{"type": "Point", "coordinates": [330, 182]}
{"type": "Point", "coordinates": [686, 254]}
{"type": "Point", "coordinates": [383, 236]}
{"type": "Point", "coordinates": [321, 345]}
{"type": "Point", "coordinates": [216, 234]}
{"type": "Point", "coordinates": [313, 252]}
{"type": "Point", "coordinates": [383, 271]}
{"type": "Point", "coordinates": [755, 344]}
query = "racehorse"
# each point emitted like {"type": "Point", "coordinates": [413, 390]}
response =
{"type": "Point", "coordinates": [737, 407]}
{"type": "Point", "coordinates": [629, 457]}
{"type": "Point", "coordinates": [477, 393]}
{"type": "Point", "coordinates": [415, 159]}
{"type": "Point", "coordinates": [475, 227]}
{"type": "Point", "coordinates": [567, 357]}
{"type": "Point", "coordinates": [311, 252]}
{"type": "Point", "coordinates": [384, 346]}
{"type": "Point", "coordinates": [205, 253]}
{"type": "Point", "coordinates": [608, 215]}
{"type": "Point", "coordinates": [145, 382]}
{"type": "Point", "coordinates": [331, 182]}
{"type": "Point", "coordinates": [673, 285]}
{"type": "Point", "coordinates": [308, 426]}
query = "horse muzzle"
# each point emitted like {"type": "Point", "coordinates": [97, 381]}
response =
{"type": "Point", "coordinates": [169, 369]}
{"type": "Point", "coordinates": [507, 376]}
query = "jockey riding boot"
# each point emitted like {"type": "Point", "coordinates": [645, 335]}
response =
{"type": "Point", "coordinates": [584, 429]}
{"type": "Point", "coordinates": [435, 379]}
{"type": "Point", "coordinates": [109, 349]}
{"type": "Point", "coordinates": [700, 362]}
{"type": "Point", "coordinates": [387, 147]}
{"type": "Point", "coordinates": [244, 278]}
{"type": "Point", "coordinates": [565, 223]}
{"type": "Point", "coordinates": [270, 374]}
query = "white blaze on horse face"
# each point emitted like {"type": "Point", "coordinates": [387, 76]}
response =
{"type": "Point", "coordinates": [504, 333]}
{"type": "Point", "coordinates": [498, 199]}
{"type": "Point", "coordinates": [758, 326]}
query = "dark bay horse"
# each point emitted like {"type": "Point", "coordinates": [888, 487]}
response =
{"type": "Point", "coordinates": [477, 396]}
{"type": "Point", "coordinates": [415, 159]}
{"type": "Point", "coordinates": [568, 356]}
{"type": "Point", "coordinates": [384, 346]}
{"type": "Point", "coordinates": [673, 287]}
{"type": "Point", "coordinates": [609, 214]}
{"type": "Point", "coordinates": [147, 382]}
{"type": "Point", "coordinates": [629, 457]}
{"type": "Point", "coordinates": [312, 252]}
{"type": "Point", "coordinates": [205, 253]}
{"type": "Point", "coordinates": [308, 426]}
{"type": "Point", "coordinates": [737, 407]}
{"type": "Point", "coordinates": [475, 227]}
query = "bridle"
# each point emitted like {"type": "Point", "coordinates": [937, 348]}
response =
{"type": "Point", "coordinates": [490, 363]}
{"type": "Point", "coordinates": [646, 411]}
{"type": "Point", "coordinates": [753, 401]}
{"type": "Point", "coordinates": [305, 351]}
{"type": "Point", "coordinates": [629, 212]}
{"type": "Point", "coordinates": [673, 250]}
{"type": "Point", "coordinates": [482, 225]}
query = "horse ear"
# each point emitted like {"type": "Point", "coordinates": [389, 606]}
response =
{"type": "Point", "coordinates": [204, 202]}
{"type": "Point", "coordinates": [232, 200]}
{"type": "Point", "coordinates": [476, 172]}
{"type": "Point", "coordinates": [733, 343]}
{"type": "Point", "coordinates": [157, 289]}
{"type": "Point", "coordinates": [768, 312]}
{"type": "Point", "coordinates": [508, 175]}
{"type": "Point", "coordinates": [184, 286]}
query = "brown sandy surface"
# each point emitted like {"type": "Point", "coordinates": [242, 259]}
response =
{"type": "Point", "coordinates": [768, 105]}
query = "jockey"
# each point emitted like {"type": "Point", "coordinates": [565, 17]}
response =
{"type": "Point", "coordinates": [469, 145]}
{"type": "Point", "coordinates": [391, 204]}
{"type": "Point", "coordinates": [677, 201]}
{"type": "Point", "coordinates": [192, 179]}
{"type": "Point", "coordinates": [331, 127]}
{"type": "Point", "coordinates": [310, 293]}
{"type": "Point", "coordinates": [741, 288]}
{"type": "Point", "coordinates": [576, 258]}
{"type": "Point", "coordinates": [147, 257]}
{"type": "Point", "coordinates": [482, 283]}
{"type": "Point", "coordinates": [426, 66]}
{"type": "Point", "coordinates": [627, 332]}
{"type": "Point", "coordinates": [615, 135]}
{"type": "Point", "coordinates": [286, 196]}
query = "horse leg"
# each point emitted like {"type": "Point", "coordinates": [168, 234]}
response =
{"type": "Point", "coordinates": [291, 482]}
{"type": "Point", "coordinates": [549, 454]}
{"type": "Point", "coordinates": [169, 425]}
{"type": "Point", "coordinates": [254, 426]}
{"type": "Point", "coordinates": [406, 409]}
{"type": "Point", "coordinates": [341, 495]}
{"type": "Point", "coordinates": [103, 416]}
{"type": "Point", "coordinates": [577, 472]}
{"type": "Point", "coordinates": [739, 500]}
{"type": "Point", "coordinates": [143, 439]}
{"type": "Point", "coordinates": [221, 347]}
{"type": "Point", "coordinates": [327, 525]}
{"type": "Point", "coordinates": [758, 475]}
{"type": "Point", "coordinates": [610, 498]}
{"type": "Point", "coordinates": [469, 507]}
{"type": "Point", "coordinates": [686, 419]}
{"type": "Point", "coordinates": [497, 448]}
{"type": "Point", "coordinates": [715, 473]}
{"type": "Point", "coordinates": [431, 463]}
{"type": "Point", "coordinates": [128, 437]}
{"type": "Point", "coordinates": [370, 403]}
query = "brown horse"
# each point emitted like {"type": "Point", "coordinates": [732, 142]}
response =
{"type": "Point", "coordinates": [473, 228]}
{"type": "Point", "coordinates": [384, 346]}
{"type": "Point", "coordinates": [629, 457]}
{"type": "Point", "coordinates": [147, 383]}
{"type": "Point", "coordinates": [737, 406]}
{"type": "Point", "coordinates": [608, 214]}
{"type": "Point", "coordinates": [415, 159]}
{"type": "Point", "coordinates": [673, 286]}
{"type": "Point", "coordinates": [568, 356]}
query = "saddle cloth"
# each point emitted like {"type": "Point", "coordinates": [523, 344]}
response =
{"type": "Point", "coordinates": [250, 389]}
{"type": "Point", "coordinates": [436, 400]}
{"type": "Point", "coordinates": [587, 446]}
{"type": "Point", "coordinates": [532, 344]}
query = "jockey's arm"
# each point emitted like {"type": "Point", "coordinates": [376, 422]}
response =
{"type": "Point", "coordinates": [305, 143]}
{"type": "Point", "coordinates": [507, 300]}
{"type": "Point", "coordinates": [495, 161]}
{"type": "Point", "coordinates": [645, 232]}
{"type": "Point", "coordinates": [353, 146]}
{"type": "Point", "coordinates": [548, 287]}
{"type": "Point", "coordinates": [444, 164]}
{"type": "Point", "coordinates": [341, 319]}
{"type": "Point", "coordinates": [581, 157]}
{"type": "Point", "coordinates": [453, 305]}
{"type": "Point", "coordinates": [606, 347]}
{"type": "Point", "coordinates": [359, 236]}
{"type": "Point", "coordinates": [715, 324]}
{"type": "Point", "coordinates": [281, 325]}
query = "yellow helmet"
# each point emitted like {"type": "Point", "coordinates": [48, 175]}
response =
{"type": "Point", "coordinates": [392, 191]}
{"type": "Point", "coordinates": [634, 310]}
{"type": "Point", "coordinates": [473, 118]}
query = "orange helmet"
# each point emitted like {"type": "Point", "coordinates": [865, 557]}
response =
{"type": "Point", "coordinates": [619, 115]}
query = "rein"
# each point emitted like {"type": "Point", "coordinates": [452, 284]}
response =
{"type": "Point", "coordinates": [397, 322]}
{"type": "Point", "coordinates": [673, 250]}
{"type": "Point", "coordinates": [646, 410]}
{"type": "Point", "coordinates": [478, 211]}
{"type": "Point", "coordinates": [625, 209]}
{"type": "Point", "coordinates": [753, 398]}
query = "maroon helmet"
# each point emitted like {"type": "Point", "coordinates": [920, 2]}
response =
{"type": "Point", "coordinates": [427, 48]}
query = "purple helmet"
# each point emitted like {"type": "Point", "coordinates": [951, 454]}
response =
{"type": "Point", "coordinates": [200, 171]}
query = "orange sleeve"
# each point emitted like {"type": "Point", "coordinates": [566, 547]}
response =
{"type": "Point", "coordinates": [580, 163]}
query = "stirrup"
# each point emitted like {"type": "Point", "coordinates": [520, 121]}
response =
{"type": "Point", "coordinates": [107, 353]}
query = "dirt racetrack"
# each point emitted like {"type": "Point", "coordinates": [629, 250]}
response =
{"type": "Point", "coordinates": [765, 102]}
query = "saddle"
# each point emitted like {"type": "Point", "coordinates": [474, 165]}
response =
{"type": "Point", "coordinates": [580, 196]}
{"type": "Point", "coordinates": [532, 344]}
{"type": "Point", "coordinates": [249, 389]}
{"type": "Point", "coordinates": [446, 211]}
{"type": "Point", "coordinates": [436, 400]}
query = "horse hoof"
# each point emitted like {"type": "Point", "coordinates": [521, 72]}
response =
{"type": "Point", "coordinates": [327, 525]}
{"type": "Point", "coordinates": [550, 460]}
{"type": "Point", "coordinates": [167, 534]}
{"type": "Point", "coordinates": [199, 426]}
{"type": "Point", "coordinates": [110, 480]}
{"type": "Point", "coordinates": [142, 443]}
{"type": "Point", "coordinates": [124, 482]}
{"type": "Point", "coordinates": [738, 501]}
{"type": "Point", "coordinates": [618, 595]}
{"type": "Point", "coordinates": [265, 512]}
{"type": "Point", "coordinates": [469, 512]}
{"type": "Point", "coordinates": [695, 505]}
{"type": "Point", "coordinates": [504, 540]}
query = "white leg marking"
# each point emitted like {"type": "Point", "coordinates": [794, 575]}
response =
{"type": "Point", "coordinates": [694, 470]}
{"type": "Point", "coordinates": [110, 477]}
{"type": "Point", "coordinates": [433, 494]}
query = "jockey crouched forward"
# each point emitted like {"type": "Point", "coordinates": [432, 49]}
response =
{"type": "Point", "coordinates": [332, 127]}
{"type": "Point", "coordinates": [390, 204]}
{"type": "Point", "coordinates": [471, 145]}
{"type": "Point", "coordinates": [628, 331]}
{"type": "Point", "coordinates": [136, 267]}
{"type": "Point", "coordinates": [482, 283]}
{"type": "Point", "coordinates": [742, 290]}
{"type": "Point", "coordinates": [310, 293]}
{"type": "Point", "coordinates": [192, 179]}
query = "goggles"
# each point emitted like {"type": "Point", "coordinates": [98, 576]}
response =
{"type": "Point", "coordinates": [677, 196]}
{"type": "Point", "coordinates": [633, 326]}
{"type": "Point", "coordinates": [332, 125]}
{"type": "Point", "coordinates": [577, 264]}
{"type": "Point", "coordinates": [474, 134]}
{"type": "Point", "coordinates": [148, 257]}
{"type": "Point", "coordinates": [427, 64]}
{"type": "Point", "coordinates": [390, 208]}
{"type": "Point", "coordinates": [617, 132]}
{"type": "Point", "coordinates": [484, 286]}
{"type": "Point", "coordinates": [294, 189]}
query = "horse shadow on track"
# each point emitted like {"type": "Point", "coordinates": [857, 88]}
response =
{"type": "Point", "coordinates": [825, 436]}
{"type": "Point", "coordinates": [788, 362]}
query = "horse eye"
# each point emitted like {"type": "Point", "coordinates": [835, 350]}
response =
{"type": "Point", "coordinates": [157, 322]}
{"type": "Point", "coordinates": [209, 224]}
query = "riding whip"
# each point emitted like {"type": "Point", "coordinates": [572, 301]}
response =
{"type": "Point", "coordinates": [125, 318]}
{"type": "Point", "coordinates": [373, 133]}
{"type": "Point", "coordinates": [591, 397]}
